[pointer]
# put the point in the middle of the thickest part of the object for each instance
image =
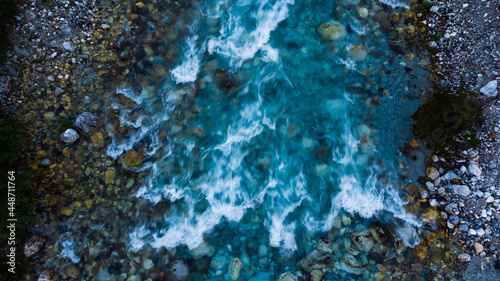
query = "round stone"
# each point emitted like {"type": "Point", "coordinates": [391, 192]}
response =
{"type": "Point", "coordinates": [69, 136]}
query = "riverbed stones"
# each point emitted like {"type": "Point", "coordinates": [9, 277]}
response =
{"type": "Point", "coordinates": [316, 275]}
{"type": "Point", "coordinates": [490, 90]}
{"type": "Point", "coordinates": [33, 245]}
{"type": "Point", "coordinates": [48, 274]}
{"type": "Point", "coordinates": [132, 158]}
{"type": "Point", "coordinates": [363, 240]}
{"type": "Point", "coordinates": [332, 31]}
{"type": "Point", "coordinates": [69, 136]}
{"type": "Point", "coordinates": [462, 190]}
{"type": "Point", "coordinates": [432, 173]}
{"type": "Point", "coordinates": [316, 260]}
{"type": "Point", "coordinates": [420, 252]}
{"type": "Point", "coordinates": [86, 122]}
{"type": "Point", "coordinates": [203, 250]}
{"type": "Point", "coordinates": [73, 271]}
{"type": "Point", "coordinates": [463, 257]}
{"type": "Point", "coordinates": [363, 12]}
{"type": "Point", "coordinates": [358, 53]}
{"type": "Point", "coordinates": [351, 265]}
{"type": "Point", "coordinates": [287, 276]}
{"type": "Point", "coordinates": [478, 247]}
{"type": "Point", "coordinates": [322, 169]}
{"type": "Point", "coordinates": [109, 176]}
{"type": "Point", "coordinates": [430, 215]}
{"type": "Point", "coordinates": [474, 170]}
{"type": "Point", "coordinates": [234, 268]}
{"type": "Point", "coordinates": [324, 245]}
{"type": "Point", "coordinates": [179, 269]}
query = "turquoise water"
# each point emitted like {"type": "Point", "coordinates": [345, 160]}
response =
{"type": "Point", "coordinates": [266, 135]}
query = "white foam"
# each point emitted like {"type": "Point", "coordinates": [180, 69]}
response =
{"type": "Point", "coordinates": [188, 70]}
{"type": "Point", "coordinates": [239, 44]}
{"type": "Point", "coordinates": [396, 3]}
{"type": "Point", "coordinates": [69, 252]}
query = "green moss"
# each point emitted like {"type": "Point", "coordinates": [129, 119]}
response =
{"type": "Point", "coordinates": [12, 133]}
{"type": "Point", "coordinates": [63, 126]}
{"type": "Point", "coordinates": [447, 122]}
{"type": "Point", "coordinates": [425, 7]}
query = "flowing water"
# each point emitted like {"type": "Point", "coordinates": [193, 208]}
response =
{"type": "Point", "coordinates": [263, 136]}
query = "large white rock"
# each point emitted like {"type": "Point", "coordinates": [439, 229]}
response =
{"type": "Point", "coordinates": [351, 265]}
{"type": "Point", "coordinates": [491, 89]}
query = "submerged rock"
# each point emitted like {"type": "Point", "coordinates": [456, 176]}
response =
{"type": "Point", "coordinates": [324, 245]}
{"type": "Point", "coordinates": [33, 245]}
{"type": "Point", "coordinates": [358, 53]}
{"type": "Point", "coordinates": [464, 257]}
{"type": "Point", "coordinates": [332, 31]}
{"type": "Point", "coordinates": [316, 275]}
{"type": "Point", "coordinates": [132, 158]}
{"type": "Point", "coordinates": [179, 269]}
{"type": "Point", "coordinates": [363, 12]}
{"type": "Point", "coordinates": [351, 265]}
{"type": "Point", "coordinates": [234, 268]}
{"type": "Point", "coordinates": [69, 136]}
{"type": "Point", "coordinates": [287, 276]}
{"type": "Point", "coordinates": [86, 122]}
{"type": "Point", "coordinates": [203, 250]}
{"type": "Point", "coordinates": [363, 240]}
{"type": "Point", "coordinates": [316, 260]}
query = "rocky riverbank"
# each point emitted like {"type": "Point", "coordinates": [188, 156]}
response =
{"type": "Point", "coordinates": [465, 187]}
{"type": "Point", "coordinates": [68, 59]}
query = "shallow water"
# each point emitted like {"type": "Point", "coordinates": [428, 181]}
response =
{"type": "Point", "coordinates": [263, 137]}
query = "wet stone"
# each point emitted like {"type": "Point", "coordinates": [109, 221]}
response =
{"type": "Point", "coordinates": [287, 276]}
{"type": "Point", "coordinates": [179, 269]}
{"type": "Point", "coordinates": [69, 136]}
{"type": "Point", "coordinates": [132, 158]}
{"type": "Point", "coordinates": [48, 275]}
{"type": "Point", "coordinates": [33, 245]}
{"type": "Point", "coordinates": [463, 257]}
{"type": "Point", "coordinates": [234, 268]}
{"type": "Point", "coordinates": [86, 122]}
{"type": "Point", "coordinates": [420, 252]}
{"type": "Point", "coordinates": [73, 271]}
{"type": "Point", "coordinates": [351, 265]}
{"type": "Point", "coordinates": [332, 31]}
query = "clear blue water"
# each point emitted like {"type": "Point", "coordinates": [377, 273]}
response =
{"type": "Point", "coordinates": [264, 131]}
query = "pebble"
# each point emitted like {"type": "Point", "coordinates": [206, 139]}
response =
{"type": "Point", "coordinates": [234, 268]}
{"type": "Point", "coordinates": [478, 247]}
{"type": "Point", "coordinates": [147, 264]}
{"type": "Point", "coordinates": [69, 136]}
{"type": "Point", "coordinates": [464, 257]}
{"type": "Point", "coordinates": [462, 190]}
{"type": "Point", "coordinates": [490, 90]}
{"type": "Point", "coordinates": [474, 170]}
